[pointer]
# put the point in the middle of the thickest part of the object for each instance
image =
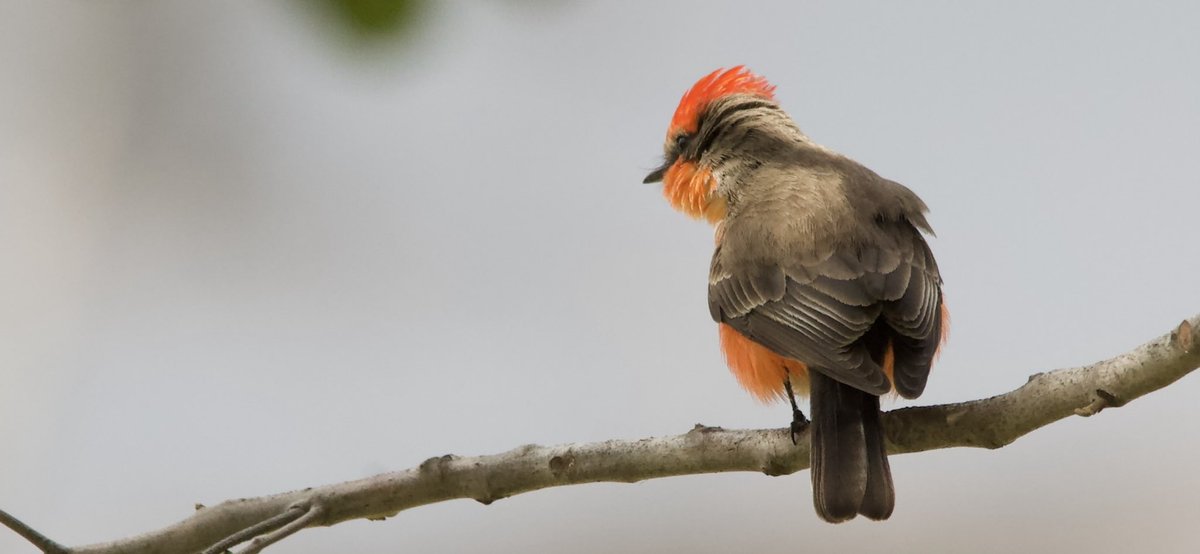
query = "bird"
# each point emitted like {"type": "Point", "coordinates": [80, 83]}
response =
{"type": "Point", "coordinates": [821, 281]}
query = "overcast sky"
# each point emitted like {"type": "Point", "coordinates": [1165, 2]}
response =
{"type": "Point", "coordinates": [236, 258]}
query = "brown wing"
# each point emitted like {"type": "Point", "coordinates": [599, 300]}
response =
{"type": "Point", "coordinates": [831, 305]}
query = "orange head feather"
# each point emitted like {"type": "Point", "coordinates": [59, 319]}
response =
{"type": "Point", "coordinates": [722, 82]}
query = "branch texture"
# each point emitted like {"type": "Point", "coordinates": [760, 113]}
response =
{"type": "Point", "coordinates": [987, 423]}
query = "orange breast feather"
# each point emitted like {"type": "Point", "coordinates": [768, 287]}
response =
{"type": "Point", "coordinates": [759, 370]}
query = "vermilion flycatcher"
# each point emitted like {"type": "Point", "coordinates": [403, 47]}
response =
{"type": "Point", "coordinates": [821, 279]}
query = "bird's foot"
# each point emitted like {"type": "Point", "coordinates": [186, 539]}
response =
{"type": "Point", "coordinates": [799, 422]}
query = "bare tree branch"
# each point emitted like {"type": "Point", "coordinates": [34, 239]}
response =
{"type": "Point", "coordinates": [987, 423]}
{"type": "Point", "coordinates": [39, 540]}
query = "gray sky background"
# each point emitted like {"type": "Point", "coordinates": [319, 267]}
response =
{"type": "Point", "coordinates": [238, 259]}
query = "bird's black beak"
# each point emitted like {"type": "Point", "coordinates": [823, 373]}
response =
{"type": "Point", "coordinates": [656, 176]}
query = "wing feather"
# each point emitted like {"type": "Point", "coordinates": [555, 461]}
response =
{"type": "Point", "coordinates": [820, 310]}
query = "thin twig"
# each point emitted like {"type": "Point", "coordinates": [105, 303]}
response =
{"type": "Point", "coordinates": [257, 529]}
{"type": "Point", "coordinates": [42, 542]}
{"type": "Point", "coordinates": [259, 543]}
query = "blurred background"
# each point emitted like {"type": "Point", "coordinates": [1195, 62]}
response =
{"type": "Point", "coordinates": [248, 247]}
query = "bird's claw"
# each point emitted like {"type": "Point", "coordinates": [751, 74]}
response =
{"type": "Point", "coordinates": [799, 424]}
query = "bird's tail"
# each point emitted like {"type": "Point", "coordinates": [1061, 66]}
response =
{"type": "Point", "coordinates": [850, 472]}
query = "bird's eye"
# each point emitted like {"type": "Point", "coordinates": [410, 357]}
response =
{"type": "Point", "coordinates": [681, 141]}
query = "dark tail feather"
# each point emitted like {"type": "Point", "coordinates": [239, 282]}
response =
{"type": "Point", "coordinates": [850, 472]}
{"type": "Point", "coordinates": [839, 454]}
{"type": "Point", "coordinates": [880, 496]}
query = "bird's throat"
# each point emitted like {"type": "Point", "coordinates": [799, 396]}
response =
{"type": "Point", "coordinates": [691, 189]}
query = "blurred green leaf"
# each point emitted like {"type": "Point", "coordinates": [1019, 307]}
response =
{"type": "Point", "coordinates": [374, 18]}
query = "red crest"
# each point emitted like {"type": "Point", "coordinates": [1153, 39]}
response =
{"type": "Point", "coordinates": [722, 82]}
